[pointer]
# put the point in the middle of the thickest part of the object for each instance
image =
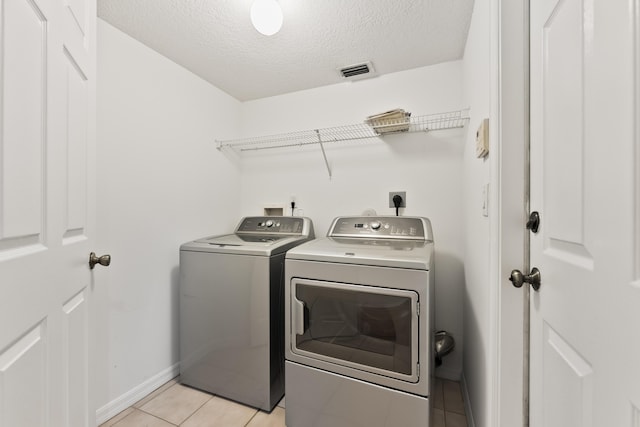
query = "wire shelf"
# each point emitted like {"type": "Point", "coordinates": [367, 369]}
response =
{"type": "Point", "coordinates": [431, 122]}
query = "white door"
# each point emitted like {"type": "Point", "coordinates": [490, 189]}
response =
{"type": "Point", "coordinates": [47, 227]}
{"type": "Point", "coordinates": [585, 182]}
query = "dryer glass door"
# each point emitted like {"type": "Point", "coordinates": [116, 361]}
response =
{"type": "Point", "coordinates": [366, 328]}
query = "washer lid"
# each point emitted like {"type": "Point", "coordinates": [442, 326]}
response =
{"type": "Point", "coordinates": [411, 254]}
{"type": "Point", "coordinates": [262, 240]}
{"type": "Point", "coordinates": [262, 245]}
{"type": "Point", "coordinates": [263, 236]}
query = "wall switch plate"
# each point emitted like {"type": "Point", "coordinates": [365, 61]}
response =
{"type": "Point", "coordinates": [402, 194]}
{"type": "Point", "coordinates": [485, 200]}
{"type": "Point", "coordinates": [482, 139]}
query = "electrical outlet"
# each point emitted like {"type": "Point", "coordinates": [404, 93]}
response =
{"type": "Point", "coordinates": [402, 194]}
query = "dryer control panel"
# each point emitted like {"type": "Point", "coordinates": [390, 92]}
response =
{"type": "Point", "coordinates": [381, 227]}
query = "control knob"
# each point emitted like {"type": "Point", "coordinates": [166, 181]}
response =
{"type": "Point", "coordinates": [269, 223]}
{"type": "Point", "coordinates": [375, 225]}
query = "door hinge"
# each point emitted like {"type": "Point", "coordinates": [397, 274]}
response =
{"type": "Point", "coordinates": [418, 308]}
{"type": "Point", "coordinates": [418, 369]}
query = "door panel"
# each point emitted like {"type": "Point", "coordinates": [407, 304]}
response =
{"type": "Point", "coordinates": [569, 379]}
{"type": "Point", "coordinates": [77, 9]}
{"type": "Point", "coordinates": [23, 124]}
{"type": "Point", "coordinates": [562, 134]}
{"type": "Point", "coordinates": [584, 178]}
{"type": "Point", "coordinates": [23, 367]}
{"type": "Point", "coordinates": [75, 337]}
{"type": "Point", "coordinates": [76, 98]}
{"type": "Point", "coordinates": [563, 125]}
{"type": "Point", "coordinates": [46, 213]}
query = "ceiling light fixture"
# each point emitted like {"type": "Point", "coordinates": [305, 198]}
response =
{"type": "Point", "coordinates": [266, 16]}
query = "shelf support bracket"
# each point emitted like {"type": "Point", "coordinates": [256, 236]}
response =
{"type": "Point", "coordinates": [324, 155]}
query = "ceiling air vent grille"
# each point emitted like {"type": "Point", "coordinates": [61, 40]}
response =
{"type": "Point", "coordinates": [357, 71]}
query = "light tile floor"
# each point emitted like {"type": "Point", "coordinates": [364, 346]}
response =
{"type": "Point", "coordinates": [176, 405]}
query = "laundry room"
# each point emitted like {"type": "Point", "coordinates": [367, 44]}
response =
{"type": "Point", "coordinates": [159, 128]}
{"type": "Point", "coordinates": [368, 213]}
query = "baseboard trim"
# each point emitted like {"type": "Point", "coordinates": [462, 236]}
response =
{"type": "Point", "coordinates": [121, 403]}
{"type": "Point", "coordinates": [467, 402]}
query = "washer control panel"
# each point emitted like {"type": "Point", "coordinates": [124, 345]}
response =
{"type": "Point", "coordinates": [391, 227]}
{"type": "Point", "coordinates": [271, 225]}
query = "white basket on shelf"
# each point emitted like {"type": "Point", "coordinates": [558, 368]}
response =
{"type": "Point", "coordinates": [390, 121]}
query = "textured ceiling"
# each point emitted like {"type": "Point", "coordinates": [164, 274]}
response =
{"type": "Point", "coordinates": [215, 39]}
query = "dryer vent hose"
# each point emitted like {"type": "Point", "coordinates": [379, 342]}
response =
{"type": "Point", "coordinates": [444, 344]}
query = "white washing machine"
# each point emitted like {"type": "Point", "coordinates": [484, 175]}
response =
{"type": "Point", "coordinates": [359, 325]}
{"type": "Point", "coordinates": [232, 309]}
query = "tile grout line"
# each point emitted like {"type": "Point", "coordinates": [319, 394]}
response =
{"type": "Point", "coordinates": [165, 420]}
{"type": "Point", "coordinates": [211, 396]}
{"type": "Point", "coordinates": [155, 416]}
{"type": "Point", "coordinates": [252, 417]}
{"type": "Point", "coordinates": [146, 413]}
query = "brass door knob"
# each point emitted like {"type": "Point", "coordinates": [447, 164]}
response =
{"type": "Point", "coordinates": [103, 260]}
{"type": "Point", "coordinates": [518, 279]}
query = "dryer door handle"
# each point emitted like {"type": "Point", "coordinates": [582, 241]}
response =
{"type": "Point", "coordinates": [298, 316]}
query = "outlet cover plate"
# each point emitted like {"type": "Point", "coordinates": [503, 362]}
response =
{"type": "Point", "coordinates": [402, 194]}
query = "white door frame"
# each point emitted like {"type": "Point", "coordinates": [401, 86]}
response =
{"type": "Point", "coordinates": [508, 156]}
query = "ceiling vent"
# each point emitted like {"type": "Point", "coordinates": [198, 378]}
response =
{"type": "Point", "coordinates": [358, 71]}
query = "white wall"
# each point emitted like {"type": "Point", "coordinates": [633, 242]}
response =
{"type": "Point", "coordinates": [477, 172]}
{"type": "Point", "coordinates": [428, 166]}
{"type": "Point", "coordinates": [495, 87]}
{"type": "Point", "coordinates": [161, 183]}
